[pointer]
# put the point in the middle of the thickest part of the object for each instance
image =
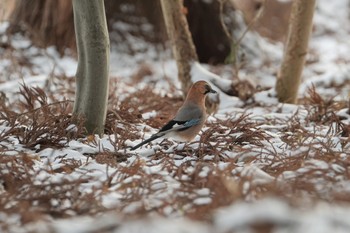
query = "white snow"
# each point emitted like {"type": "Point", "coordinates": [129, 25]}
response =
{"type": "Point", "coordinates": [175, 176]}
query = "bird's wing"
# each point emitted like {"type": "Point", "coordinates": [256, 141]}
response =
{"type": "Point", "coordinates": [174, 125]}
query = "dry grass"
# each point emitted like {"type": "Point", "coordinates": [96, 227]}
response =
{"type": "Point", "coordinates": [22, 194]}
{"type": "Point", "coordinates": [315, 160]}
{"type": "Point", "coordinates": [40, 124]}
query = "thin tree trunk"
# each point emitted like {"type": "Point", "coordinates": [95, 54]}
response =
{"type": "Point", "coordinates": [300, 28]}
{"type": "Point", "coordinates": [180, 36]}
{"type": "Point", "coordinates": [93, 63]}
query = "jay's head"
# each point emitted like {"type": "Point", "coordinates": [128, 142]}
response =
{"type": "Point", "coordinates": [198, 92]}
{"type": "Point", "coordinates": [202, 87]}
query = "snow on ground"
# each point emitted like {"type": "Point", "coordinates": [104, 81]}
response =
{"type": "Point", "coordinates": [257, 183]}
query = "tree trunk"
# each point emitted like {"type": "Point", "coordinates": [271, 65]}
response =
{"type": "Point", "coordinates": [180, 36]}
{"type": "Point", "coordinates": [93, 63]}
{"type": "Point", "coordinates": [50, 23]}
{"type": "Point", "coordinates": [300, 27]}
{"type": "Point", "coordinates": [204, 21]}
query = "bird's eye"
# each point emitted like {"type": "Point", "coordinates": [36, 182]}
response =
{"type": "Point", "coordinates": [207, 89]}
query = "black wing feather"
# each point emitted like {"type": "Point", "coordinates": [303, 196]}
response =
{"type": "Point", "coordinates": [170, 125]}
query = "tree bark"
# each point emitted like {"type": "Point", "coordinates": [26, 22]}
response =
{"type": "Point", "coordinates": [300, 27]}
{"type": "Point", "coordinates": [180, 37]}
{"type": "Point", "coordinates": [93, 63]}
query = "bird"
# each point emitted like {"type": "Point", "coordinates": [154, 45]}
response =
{"type": "Point", "coordinates": [189, 119]}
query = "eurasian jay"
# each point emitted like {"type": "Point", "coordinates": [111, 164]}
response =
{"type": "Point", "coordinates": [189, 119]}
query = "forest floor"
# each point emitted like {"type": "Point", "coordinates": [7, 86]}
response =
{"type": "Point", "coordinates": [257, 166]}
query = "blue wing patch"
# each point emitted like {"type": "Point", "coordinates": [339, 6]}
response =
{"type": "Point", "coordinates": [191, 122]}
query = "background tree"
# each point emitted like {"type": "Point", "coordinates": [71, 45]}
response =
{"type": "Point", "coordinates": [208, 35]}
{"type": "Point", "coordinates": [50, 23]}
{"type": "Point", "coordinates": [181, 40]}
{"type": "Point", "coordinates": [46, 22]}
{"type": "Point", "coordinates": [93, 63]}
{"type": "Point", "coordinates": [300, 26]}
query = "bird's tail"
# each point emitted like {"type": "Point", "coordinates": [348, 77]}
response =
{"type": "Point", "coordinates": [153, 137]}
